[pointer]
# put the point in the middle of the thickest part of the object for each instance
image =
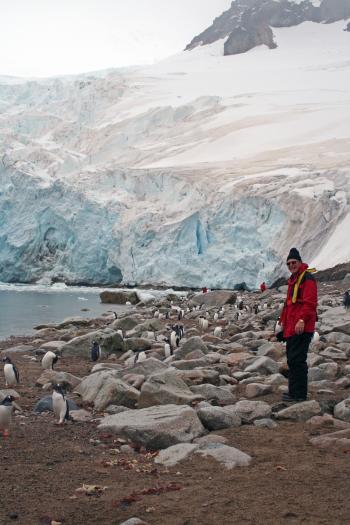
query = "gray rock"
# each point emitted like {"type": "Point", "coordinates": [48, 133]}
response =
{"type": "Point", "coordinates": [342, 410]}
{"type": "Point", "coordinates": [257, 389]}
{"type": "Point", "coordinates": [137, 343]}
{"type": "Point", "coordinates": [166, 388]}
{"type": "Point", "coordinates": [156, 427]}
{"type": "Point", "coordinates": [173, 455]}
{"type": "Point", "coordinates": [215, 298]}
{"type": "Point", "coordinates": [116, 409]}
{"type": "Point", "coordinates": [125, 323]}
{"type": "Point", "coordinates": [249, 411]}
{"type": "Point", "coordinates": [134, 521]}
{"type": "Point", "coordinates": [229, 457]}
{"type": "Point", "coordinates": [334, 353]}
{"type": "Point", "coordinates": [189, 364]}
{"type": "Point", "coordinates": [325, 371]}
{"type": "Point", "coordinates": [45, 405]}
{"type": "Point", "coordinates": [300, 411]}
{"type": "Point", "coordinates": [216, 418]}
{"type": "Point", "coordinates": [265, 423]}
{"type": "Point", "coordinates": [109, 341]}
{"type": "Point", "coordinates": [105, 388]}
{"type": "Point", "coordinates": [120, 297]}
{"type": "Point", "coordinates": [211, 392]}
{"type": "Point", "coordinates": [263, 365]}
{"type": "Point", "coordinates": [194, 343]}
{"type": "Point", "coordinates": [145, 368]}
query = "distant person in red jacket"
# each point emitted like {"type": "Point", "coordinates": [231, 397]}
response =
{"type": "Point", "coordinates": [263, 287]}
{"type": "Point", "coordinates": [204, 289]}
{"type": "Point", "coordinates": [298, 321]}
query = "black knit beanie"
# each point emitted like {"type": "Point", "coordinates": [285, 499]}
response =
{"type": "Point", "coordinates": [294, 254]}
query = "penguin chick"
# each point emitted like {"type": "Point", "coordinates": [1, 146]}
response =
{"type": "Point", "coordinates": [49, 359]}
{"type": "Point", "coordinates": [6, 410]}
{"type": "Point", "coordinates": [95, 351]}
{"type": "Point", "coordinates": [10, 372]}
{"type": "Point", "coordinates": [60, 404]}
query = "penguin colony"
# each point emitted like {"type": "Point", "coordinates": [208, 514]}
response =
{"type": "Point", "coordinates": [171, 341]}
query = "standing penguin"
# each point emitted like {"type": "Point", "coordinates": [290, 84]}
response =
{"type": "Point", "coordinates": [49, 359]}
{"type": "Point", "coordinates": [11, 373]}
{"type": "Point", "coordinates": [95, 351]}
{"type": "Point", "coordinates": [6, 410]}
{"type": "Point", "coordinates": [60, 404]}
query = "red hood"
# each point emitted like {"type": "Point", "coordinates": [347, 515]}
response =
{"type": "Point", "coordinates": [302, 269]}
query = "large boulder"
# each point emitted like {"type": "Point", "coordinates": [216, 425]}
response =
{"type": "Point", "coordinates": [114, 297]}
{"type": "Point", "coordinates": [229, 457]}
{"type": "Point", "coordinates": [222, 396]}
{"type": "Point", "coordinates": [106, 388]}
{"type": "Point", "coordinates": [109, 341]}
{"type": "Point", "coordinates": [216, 298]}
{"type": "Point", "coordinates": [125, 323]}
{"type": "Point", "coordinates": [217, 418]}
{"type": "Point", "coordinates": [145, 368]}
{"type": "Point", "coordinates": [248, 411]}
{"type": "Point", "coordinates": [166, 388]}
{"type": "Point", "coordinates": [342, 410]}
{"type": "Point", "coordinates": [300, 411]}
{"type": "Point", "coordinates": [67, 380]}
{"type": "Point", "coordinates": [263, 365]}
{"type": "Point", "coordinates": [194, 343]}
{"type": "Point", "coordinates": [156, 427]}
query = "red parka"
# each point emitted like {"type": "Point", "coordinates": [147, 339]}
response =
{"type": "Point", "coordinates": [305, 305]}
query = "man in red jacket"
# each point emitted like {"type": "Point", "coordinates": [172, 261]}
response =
{"type": "Point", "coordinates": [298, 321]}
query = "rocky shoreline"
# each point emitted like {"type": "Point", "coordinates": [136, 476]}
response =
{"type": "Point", "coordinates": [177, 407]}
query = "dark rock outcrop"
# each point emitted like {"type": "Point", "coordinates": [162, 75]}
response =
{"type": "Point", "coordinates": [248, 23]}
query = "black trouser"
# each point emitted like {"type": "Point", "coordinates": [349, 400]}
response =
{"type": "Point", "coordinates": [297, 348]}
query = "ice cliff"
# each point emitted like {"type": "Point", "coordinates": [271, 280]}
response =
{"type": "Point", "coordinates": [201, 170]}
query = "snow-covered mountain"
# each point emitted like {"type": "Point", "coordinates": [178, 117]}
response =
{"type": "Point", "coordinates": [203, 169]}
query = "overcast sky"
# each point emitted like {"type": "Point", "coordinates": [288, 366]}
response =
{"type": "Point", "coordinates": [53, 37]}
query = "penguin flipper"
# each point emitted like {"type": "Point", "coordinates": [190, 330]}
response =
{"type": "Point", "coordinates": [15, 369]}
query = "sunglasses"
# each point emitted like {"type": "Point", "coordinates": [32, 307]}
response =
{"type": "Point", "coordinates": [292, 263]}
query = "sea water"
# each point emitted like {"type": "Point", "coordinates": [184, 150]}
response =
{"type": "Point", "coordinates": [24, 306]}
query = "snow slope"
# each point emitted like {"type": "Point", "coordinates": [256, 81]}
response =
{"type": "Point", "coordinates": [199, 169]}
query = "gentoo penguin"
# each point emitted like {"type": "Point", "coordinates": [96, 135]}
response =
{"type": "Point", "coordinates": [168, 351]}
{"type": "Point", "coordinates": [217, 331]}
{"type": "Point", "coordinates": [60, 404]}
{"type": "Point", "coordinates": [173, 339]}
{"type": "Point", "coordinates": [95, 351]}
{"type": "Point", "coordinates": [11, 373]}
{"type": "Point", "coordinates": [6, 410]}
{"type": "Point", "coordinates": [315, 337]}
{"type": "Point", "coordinates": [216, 316]}
{"type": "Point", "coordinates": [115, 315]}
{"type": "Point", "coordinates": [49, 359]}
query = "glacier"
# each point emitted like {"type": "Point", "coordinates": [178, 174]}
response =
{"type": "Point", "coordinates": [201, 170]}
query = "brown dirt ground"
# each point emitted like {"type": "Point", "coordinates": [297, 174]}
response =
{"type": "Point", "coordinates": [288, 482]}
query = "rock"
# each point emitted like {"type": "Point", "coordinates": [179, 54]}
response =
{"type": "Point", "coordinates": [80, 416]}
{"type": "Point", "coordinates": [173, 455]}
{"type": "Point", "coordinates": [113, 297]}
{"type": "Point", "coordinates": [166, 388]}
{"type": "Point", "coordinates": [276, 380]}
{"type": "Point", "coordinates": [265, 423]}
{"type": "Point", "coordinates": [194, 343]}
{"type": "Point", "coordinates": [125, 323]}
{"type": "Point", "coordinates": [325, 371]}
{"type": "Point", "coordinates": [327, 420]}
{"type": "Point", "coordinates": [273, 350]}
{"type": "Point", "coordinates": [300, 411]}
{"type": "Point", "coordinates": [55, 346]}
{"type": "Point", "coordinates": [189, 364]}
{"type": "Point", "coordinates": [145, 368]}
{"type": "Point", "coordinates": [110, 342]}
{"type": "Point", "coordinates": [334, 353]}
{"type": "Point", "coordinates": [199, 376]}
{"type": "Point", "coordinates": [216, 298]}
{"type": "Point", "coordinates": [134, 521]}
{"type": "Point", "coordinates": [18, 348]}
{"type": "Point", "coordinates": [342, 410]}
{"type": "Point", "coordinates": [257, 389]}
{"type": "Point", "coordinates": [210, 438]}
{"type": "Point", "coordinates": [214, 393]}
{"type": "Point", "coordinates": [137, 343]}
{"type": "Point", "coordinates": [45, 405]}
{"type": "Point", "coordinates": [251, 410]}
{"type": "Point", "coordinates": [236, 359]}
{"type": "Point", "coordinates": [156, 427]}
{"type": "Point", "coordinates": [216, 418]}
{"type": "Point", "coordinates": [339, 441]}
{"type": "Point", "coordinates": [8, 392]}
{"type": "Point", "coordinates": [116, 409]}
{"type": "Point", "coordinates": [230, 457]}
{"type": "Point", "coordinates": [106, 388]}
{"type": "Point", "coordinates": [67, 380]}
{"type": "Point", "coordinates": [263, 365]}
